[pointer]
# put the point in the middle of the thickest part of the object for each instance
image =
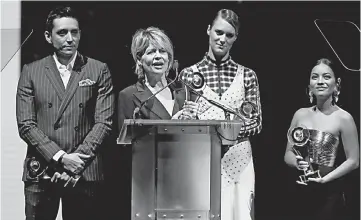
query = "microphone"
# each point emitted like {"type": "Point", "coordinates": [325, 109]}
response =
{"type": "Point", "coordinates": [137, 109]}
{"type": "Point", "coordinates": [222, 106]}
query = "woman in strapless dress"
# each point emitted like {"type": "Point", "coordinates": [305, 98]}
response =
{"type": "Point", "coordinates": [325, 126]}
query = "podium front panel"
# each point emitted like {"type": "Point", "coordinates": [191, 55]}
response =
{"type": "Point", "coordinates": [176, 174]}
{"type": "Point", "coordinates": [183, 180]}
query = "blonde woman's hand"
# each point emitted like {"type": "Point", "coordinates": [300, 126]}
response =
{"type": "Point", "coordinates": [190, 110]}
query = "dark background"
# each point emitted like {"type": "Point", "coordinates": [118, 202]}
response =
{"type": "Point", "coordinates": [278, 40]}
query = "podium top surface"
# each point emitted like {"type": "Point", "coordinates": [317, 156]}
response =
{"type": "Point", "coordinates": [127, 133]}
{"type": "Point", "coordinates": [175, 122]}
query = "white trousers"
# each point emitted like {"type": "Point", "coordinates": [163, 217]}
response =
{"type": "Point", "coordinates": [237, 196]}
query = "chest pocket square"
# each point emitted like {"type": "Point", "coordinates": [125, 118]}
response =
{"type": "Point", "coordinates": [86, 82]}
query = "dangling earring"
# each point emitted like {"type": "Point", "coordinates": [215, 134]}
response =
{"type": "Point", "coordinates": [335, 97]}
{"type": "Point", "coordinates": [139, 70]}
{"type": "Point", "coordinates": [310, 96]}
{"type": "Point", "coordinates": [336, 93]}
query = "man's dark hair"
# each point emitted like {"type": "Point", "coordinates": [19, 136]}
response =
{"type": "Point", "coordinates": [59, 12]}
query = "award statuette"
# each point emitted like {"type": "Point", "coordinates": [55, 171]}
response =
{"type": "Point", "coordinates": [38, 172]}
{"type": "Point", "coordinates": [299, 137]}
{"type": "Point", "coordinates": [193, 92]}
{"type": "Point", "coordinates": [247, 110]}
{"type": "Point", "coordinates": [197, 85]}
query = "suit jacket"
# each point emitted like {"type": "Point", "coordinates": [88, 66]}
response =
{"type": "Point", "coordinates": [76, 119]}
{"type": "Point", "coordinates": [132, 97]}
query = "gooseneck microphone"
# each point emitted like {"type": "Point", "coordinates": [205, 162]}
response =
{"type": "Point", "coordinates": [137, 109]}
{"type": "Point", "coordinates": [224, 107]}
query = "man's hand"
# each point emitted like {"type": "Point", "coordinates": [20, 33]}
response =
{"type": "Point", "coordinates": [74, 162]}
{"type": "Point", "coordinates": [63, 178]}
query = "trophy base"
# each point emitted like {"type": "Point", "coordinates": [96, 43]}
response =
{"type": "Point", "coordinates": [309, 174]}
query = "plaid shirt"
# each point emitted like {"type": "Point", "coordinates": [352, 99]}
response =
{"type": "Point", "coordinates": [219, 78]}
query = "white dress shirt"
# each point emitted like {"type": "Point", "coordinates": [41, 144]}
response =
{"type": "Point", "coordinates": [65, 71]}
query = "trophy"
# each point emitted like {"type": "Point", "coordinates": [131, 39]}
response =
{"type": "Point", "coordinates": [196, 86]}
{"type": "Point", "coordinates": [37, 172]}
{"type": "Point", "coordinates": [193, 91]}
{"type": "Point", "coordinates": [246, 111]}
{"type": "Point", "coordinates": [299, 137]}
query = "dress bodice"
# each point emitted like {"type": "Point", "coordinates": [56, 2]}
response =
{"type": "Point", "coordinates": [322, 148]}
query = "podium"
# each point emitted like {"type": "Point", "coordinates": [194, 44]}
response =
{"type": "Point", "coordinates": [176, 167]}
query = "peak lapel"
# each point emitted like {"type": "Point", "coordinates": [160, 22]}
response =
{"type": "Point", "coordinates": [53, 75]}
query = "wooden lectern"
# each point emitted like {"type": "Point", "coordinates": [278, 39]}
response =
{"type": "Point", "coordinates": [176, 167]}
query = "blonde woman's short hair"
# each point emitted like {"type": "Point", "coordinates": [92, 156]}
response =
{"type": "Point", "coordinates": [150, 36]}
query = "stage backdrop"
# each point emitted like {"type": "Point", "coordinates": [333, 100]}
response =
{"type": "Point", "coordinates": [278, 40]}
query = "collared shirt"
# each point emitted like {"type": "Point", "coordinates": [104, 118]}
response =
{"type": "Point", "coordinates": [219, 76]}
{"type": "Point", "coordinates": [65, 71]}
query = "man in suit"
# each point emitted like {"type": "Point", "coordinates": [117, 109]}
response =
{"type": "Point", "coordinates": [65, 105]}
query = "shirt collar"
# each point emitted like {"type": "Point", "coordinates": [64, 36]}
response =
{"type": "Point", "coordinates": [70, 64]}
{"type": "Point", "coordinates": [210, 60]}
{"type": "Point", "coordinates": [146, 82]}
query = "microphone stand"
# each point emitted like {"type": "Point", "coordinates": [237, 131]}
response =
{"type": "Point", "coordinates": [227, 115]}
